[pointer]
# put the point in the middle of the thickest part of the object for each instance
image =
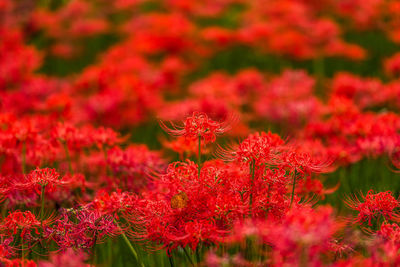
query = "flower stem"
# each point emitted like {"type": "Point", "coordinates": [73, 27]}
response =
{"type": "Point", "coordinates": [171, 260]}
{"type": "Point", "coordinates": [294, 186]}
{"type": "Point", "coordinates": [42, 205]}
{"type": "Point", "coordinates": [133, 251]}
{"type": "Point", "coordinates": [94, 250]}
{"type": "Point", "coordinates": [199, 157]}
{"type": "Point", "coordinates": [188, 256]}
{"type": "Point", "coordinates": [22, 250]}
{"type": "Point", "coordinates": [110, 251]}
{"type": "Point", "coordinates": [198, 253]}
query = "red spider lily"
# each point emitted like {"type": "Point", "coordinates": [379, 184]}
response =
{"type": "Point", "coordinates": [305, 227]}
{"type": "Point", "coordinates": [24, 130]}
{"type": "Point", "coordinates": [20, 60]}
{"type": "Point", "coordinates": [221, 194]}
{"type": "Point", "coordinates": [18, 262]}
{"type": "Point", "coordinates": [267, 154]}
{"type": "Point", "coordinates": [132, 165]}
{"type": "Point", "coordinates": [20, 220]}
{"type": "Point", "coordinates": [199, 125]}
{"type": "Point", "coordinates": [353, 136]}
{"type": "Point", "coordinates": [390, 232]}
{"type": "Point", "coordinates": [383, 249]}
{"type": "Point", "coordinates": [259, 147]}
{"type": "Point", "coordinates": [294, 90]}
{"type": "Point", "coordinates": [303, 234]}
{"type": "Point", "coordinates": [364, 92]}
{"type": "Point", "coordinates": [103, 137]}
{"type": "Point", "coordinates": [14, 194]}
{"type": "Point", "coordinates": [47, 178]}
{"type": "Point", "coordinates": [304, 163]}
{"type": "Point", "coordinates": [80, 228]}
{"type": "Point", "coordinates": [113, 203]}
{"type": "Point", "coordinates": [76, 138]}
{"type": "Point", "coordinates": [188, 209]}
{"type": "Point", "coordinates": [373, 206]}
{"type": "Point", "coordinates": [263, 23]}
{"type": "Point", "coordinates": [25, 222]}
{"type": "Point", "coordinates": [71, 136]}
{"type": "Point", "coordinates": [73, 258]}
{"type": "Point", "coordinates": [135, 159]}
{"type": "Point", "coordinates": [392, 65]}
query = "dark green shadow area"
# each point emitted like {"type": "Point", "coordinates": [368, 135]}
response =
{"type": "Point", "coordinates": [92, 47]}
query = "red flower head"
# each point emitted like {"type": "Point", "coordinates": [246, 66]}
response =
{"type": "Point", "coordinates": [199, 125]}
{"type": "Point", "coordinates": [113, 203]}
{"type": "Point", "coordinates": [74, 259]}
{"type": "Point", "coordinates": [392, 65]}
{"type": "Point", "coordinates": [17, 263]}
{"type": "Point", "coordinates": [18, 220]}
{"type": "Point", "coordinates": [46, 177]}
{"type": "Point", "coordinates": [104, 137]}
{"type": "Point", "coordinates": [375, 205]}
{"type": "Point", "coordinates": [259, 147]}
{"type": "Point", "coordinates": [390, 232]}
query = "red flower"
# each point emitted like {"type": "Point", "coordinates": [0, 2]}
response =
{"type": "Point", "coordinates": [46, 177]}
{"type": "Point", "coordinates": [18, 220]}
{"type": "Point", "coordinates": [17, 262]}
{"type": "Point", "coordinates": [74, 259]}
{"type": "Point", "coordinates": [259, 147]}
{"type": "Point", "coordinates": [374, 206]}
{"type": "Point", "coordinates": [112, 203]}
{"type": "Point", "coordinates": [392, 65]}
{"type": "Point", "coordinates": [198, 125]}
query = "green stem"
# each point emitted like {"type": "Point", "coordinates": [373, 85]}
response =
{"type": "Point", "coordinates": [41, 215]}
{"type": "Point", "coordinates": [131, 248]}
{"type": "Point", "coordinates": [171, 260]}
{"type": "Point", "coordinates": [198, 253]}
{"type": "Point", "coordinates": [188, 256]}
{"type": "Point", "coordinates": [294, 186]}
{"type": "Point", "coordinates": [42, 205]}
{"type": "Point", "coordinates": [199, 157]}
{"type": "Point", "coordinates": [94, 250]}
{"type": "Point", "coordinates": [319, 72]}
{"type": "Point", "coordinates": [22, 250]}
{"type": "Point", "coordinates": [110, 251]}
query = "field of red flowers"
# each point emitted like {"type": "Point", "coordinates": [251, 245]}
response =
{"type": "Point", "coordinates": [199, 133]}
